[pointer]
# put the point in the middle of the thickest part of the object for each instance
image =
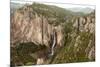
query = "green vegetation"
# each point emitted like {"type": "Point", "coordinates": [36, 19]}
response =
{"type": "Point", "coordinates": [23, 53]}
{"type": "Point", "coordinates": [71, 53]}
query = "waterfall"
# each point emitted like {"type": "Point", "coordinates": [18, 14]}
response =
{"type": "Point", "coordinates": [53, 43]}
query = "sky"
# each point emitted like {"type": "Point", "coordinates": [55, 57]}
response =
{"type": "Point", "coordinates": [62, 3]}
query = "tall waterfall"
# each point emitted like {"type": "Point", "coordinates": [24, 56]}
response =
{"type": "Point", "coordinates": [53, 43]}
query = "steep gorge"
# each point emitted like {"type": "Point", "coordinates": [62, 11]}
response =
{"type": "Point", "coordinates": [31, 30]}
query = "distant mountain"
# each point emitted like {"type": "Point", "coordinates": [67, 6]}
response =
{"type": "Point", "coordinates": [14, 6]}
{"type": "Point", "coordinates": [83, 10]}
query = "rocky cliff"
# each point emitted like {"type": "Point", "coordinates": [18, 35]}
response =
{"type": "Point", "coordinates": [29, 27]}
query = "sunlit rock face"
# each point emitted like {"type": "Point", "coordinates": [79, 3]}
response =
{"type": "Point", "coordinates": [40, 61]}
{"type": "Point", "coordinates": [29, 27]}
{"type": "Point", "coordinates": [85, 23]}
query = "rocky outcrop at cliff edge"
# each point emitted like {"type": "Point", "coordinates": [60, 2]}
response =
{"type": "Point", "coordinates": [85, 23]}
{"type": "Point", "coordinates": [29, 27]}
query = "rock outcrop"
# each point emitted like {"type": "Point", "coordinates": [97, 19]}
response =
{"type": "Point", "coordinates": [85, 23]}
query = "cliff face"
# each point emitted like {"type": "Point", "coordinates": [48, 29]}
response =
{"type": "Point", "coordinates": [85, 23]}
{"type": "Point", "coordinates": [29, 27]}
